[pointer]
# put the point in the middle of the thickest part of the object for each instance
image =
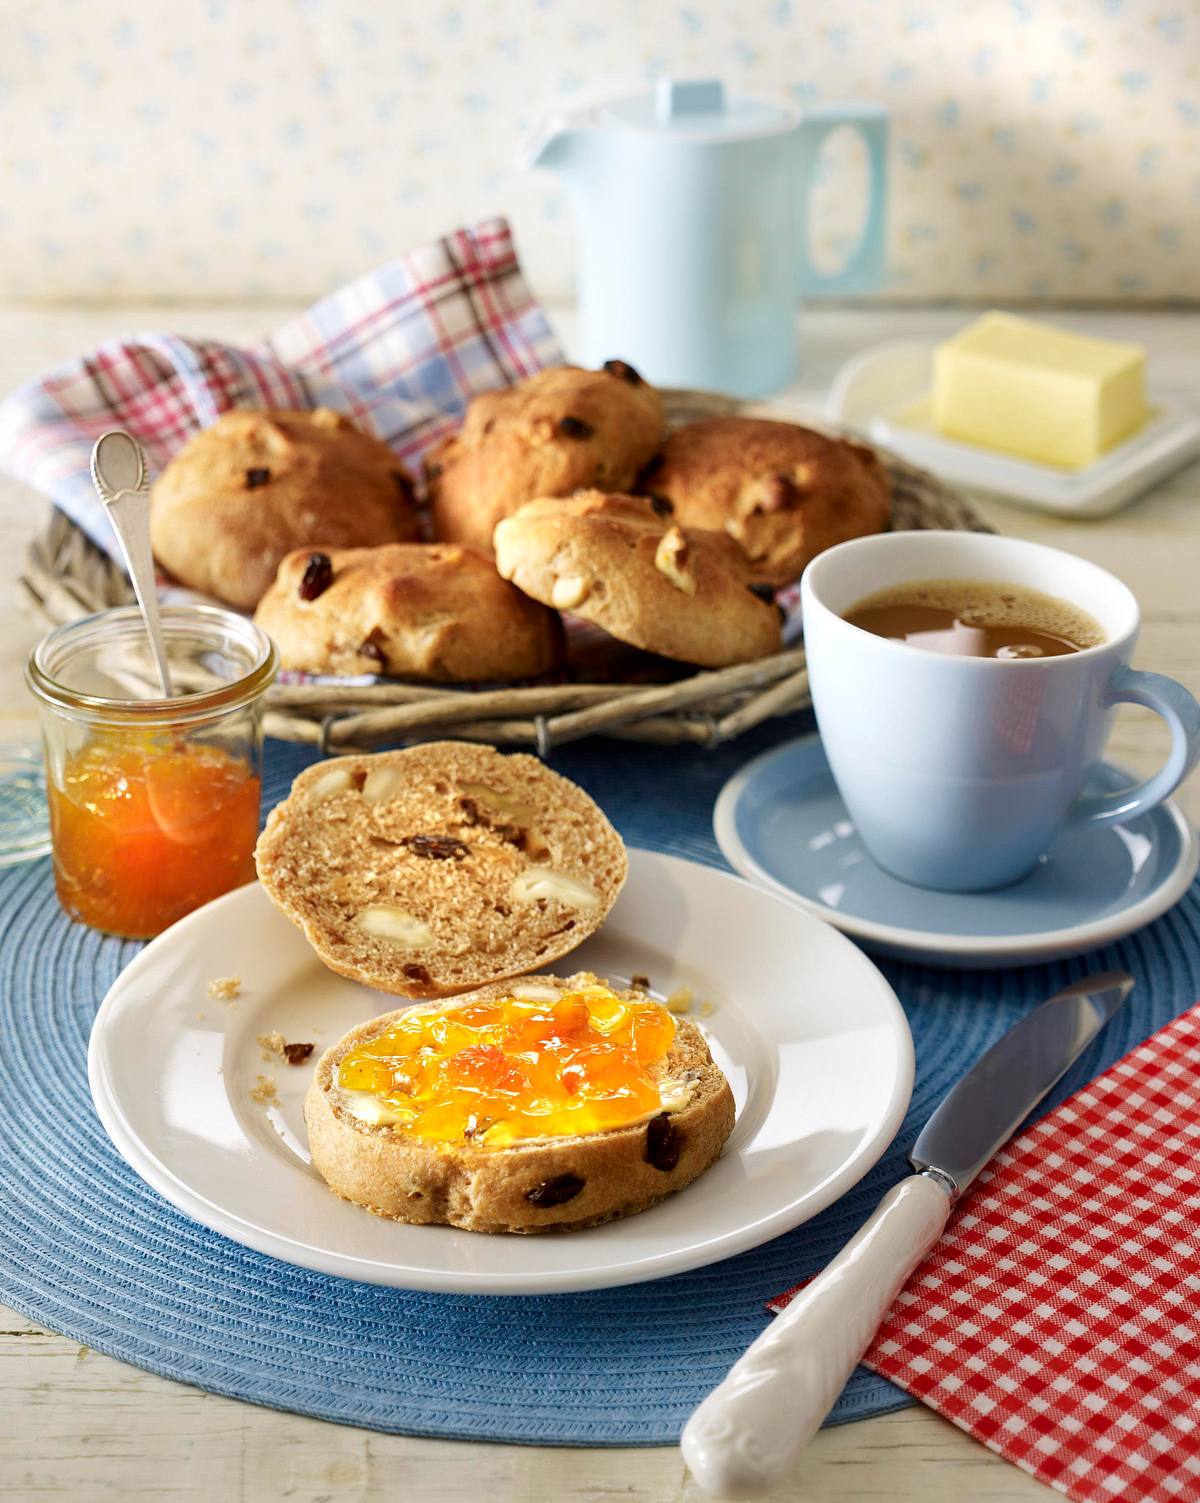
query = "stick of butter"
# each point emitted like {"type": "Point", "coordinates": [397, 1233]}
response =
{"type": "Point", "coordinates": [1046, 394]}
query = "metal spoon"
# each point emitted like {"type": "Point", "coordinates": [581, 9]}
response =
{"type": "Point", "coordinates": [122, 482]}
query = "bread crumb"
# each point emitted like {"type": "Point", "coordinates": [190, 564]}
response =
{"type": "Point", "coordinates": [707, 1009]}
{"type": "Point", "coordinates": [680, 1000]}
{"type": "Point", "coordinates": [263, 1090]}
{"type": "Point", "coordinates": [639, 982]}
{"type": "Point", "coordinates": [199, 1017]}
{"type": "Point", "coordinates": [225, 988]}
{"type": "Point", "coordinates": [272, 1045]}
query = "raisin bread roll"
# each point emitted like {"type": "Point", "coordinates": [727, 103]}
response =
{"type": "Point", "coordinates": [619, 562]}
{"type": "Point", "coordinates": [436, 611]}
{"type": "Point", "coordinates": [244, 493]}
{"type": "Point", "coordinates": [782, 492]}
{"type": "Point", "coordinates": [440, 868]}
{"type": "Point", "coordinates": [548, 435]}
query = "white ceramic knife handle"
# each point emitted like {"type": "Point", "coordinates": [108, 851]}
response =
{"type": "Point", "coordinates": [749, 1431]}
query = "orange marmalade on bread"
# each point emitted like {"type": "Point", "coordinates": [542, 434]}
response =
{"type": "Point", "coordinates": [541, 1062]}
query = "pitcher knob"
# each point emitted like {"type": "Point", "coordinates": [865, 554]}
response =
{"type": "Point", "coordinates": [676, 97]}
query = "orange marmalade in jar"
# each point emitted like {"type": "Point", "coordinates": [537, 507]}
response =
{"type": "Point", "coordinates": [153, 802]}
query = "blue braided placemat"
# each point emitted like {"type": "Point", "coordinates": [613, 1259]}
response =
{"type": "Point", "coordinates": [89, 1250]}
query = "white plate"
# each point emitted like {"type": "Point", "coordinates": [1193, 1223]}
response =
{"type": "Point", "coordinates": [809, 1034]}
{"type": "Point", "coordinates": [880, 393]}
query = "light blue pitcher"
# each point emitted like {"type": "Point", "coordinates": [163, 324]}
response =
{"type": "Point", "coordinates": [692, 211]}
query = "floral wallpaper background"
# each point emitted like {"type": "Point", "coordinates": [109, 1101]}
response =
{"type": "Point", "coordinates": [1040, 149]}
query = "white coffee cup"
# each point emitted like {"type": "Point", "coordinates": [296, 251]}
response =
{"type": "Point", "coordinates": [960, 771]}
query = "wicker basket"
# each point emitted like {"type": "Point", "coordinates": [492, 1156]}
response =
{"type": "Point", "coordinates": [66, 576]}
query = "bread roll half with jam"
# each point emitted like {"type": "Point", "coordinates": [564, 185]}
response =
{"type": "Point", "coordinates": [527, 1106]}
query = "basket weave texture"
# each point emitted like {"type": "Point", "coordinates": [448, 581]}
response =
{"type": "Point", "coordinates": [67, 576]}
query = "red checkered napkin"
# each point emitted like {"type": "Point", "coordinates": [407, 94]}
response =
{"type": "Point", "coordinates": [1058, 1321]}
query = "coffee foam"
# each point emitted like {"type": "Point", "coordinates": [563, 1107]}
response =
{"type": "Point", "coordinates": [984, 603]}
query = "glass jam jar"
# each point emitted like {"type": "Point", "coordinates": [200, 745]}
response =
{"type": "Point", "coordinates": [153, 802]}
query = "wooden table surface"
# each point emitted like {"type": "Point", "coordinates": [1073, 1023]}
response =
{"type": "Point", "coordinates": [74, 1424]}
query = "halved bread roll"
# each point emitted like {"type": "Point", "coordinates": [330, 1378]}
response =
{"type": "Point", "coordinates": [528, 1184]}
{"type": "Point", "coordinates": [440, 868]}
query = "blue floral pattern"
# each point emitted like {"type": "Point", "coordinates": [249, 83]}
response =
{"type": "Point", "coordinates": [1040, 149]}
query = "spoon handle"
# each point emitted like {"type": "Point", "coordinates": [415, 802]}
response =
{"type": "Point", "coordinates": [129, 512]}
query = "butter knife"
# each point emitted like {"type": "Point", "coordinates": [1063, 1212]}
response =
{"type": "Point", "coordinates": [751, 1429]}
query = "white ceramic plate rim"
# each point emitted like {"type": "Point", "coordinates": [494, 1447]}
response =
{"type": "Point", "coordinates": [925, 941]}
{"type": "Point", "coordinates": [699, 1252]}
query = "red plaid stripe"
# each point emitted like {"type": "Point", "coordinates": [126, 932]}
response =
{"type": "Point", "coordinates": [1058, 1321]}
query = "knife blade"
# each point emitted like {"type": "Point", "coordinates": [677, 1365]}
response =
{"type": "Point", "coordinates": [750, 1430]}
{"type": "Point", "coordinates": [982, 1111]}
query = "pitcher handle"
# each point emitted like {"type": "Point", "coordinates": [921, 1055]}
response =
{"type": "Point", "coordinates": [864, 268]}
{"type": "Point", "coordinates": [1179, 709]}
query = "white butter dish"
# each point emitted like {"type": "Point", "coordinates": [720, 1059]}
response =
{"type": "Point", "coordinates": [883, 394]}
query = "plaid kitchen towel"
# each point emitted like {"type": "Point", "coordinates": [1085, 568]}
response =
{"type": "Point", "coordinates": [402, 350]}
{"type": "Point", "coordinates": [1058, 1321]}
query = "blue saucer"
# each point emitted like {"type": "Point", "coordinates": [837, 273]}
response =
{"type": "Point", "coordinates": [781, 822]}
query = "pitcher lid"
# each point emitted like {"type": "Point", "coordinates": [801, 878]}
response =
{"type": "Point", "coordinates": [696, 109]}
